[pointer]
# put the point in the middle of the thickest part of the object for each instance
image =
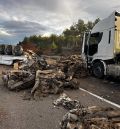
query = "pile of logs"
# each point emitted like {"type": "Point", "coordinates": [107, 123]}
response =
{"type": "Point", "coordinates": [79, 117]}
{"type": "Point", "coordinates": [91, 118]}
{"type": "Point", "coordinates": [23, 74]}
{"type": "Point", "coordinates": [73, 66]}
{"type": "Point", "coordinates": [52, 82]}
{"type": "Point", "coordinates": [45, 79]}
{"type": "Point", "coordinates": [18, 79]}
{"type": "Point", "coordinates": [62, 75]}
{"type": "Point", "coordinates": [48, 82]}
{"type": "Point", "coordinates": [33, 62]}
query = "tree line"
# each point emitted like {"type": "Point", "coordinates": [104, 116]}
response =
{"type": "Point", "coordinates": [70, 38]}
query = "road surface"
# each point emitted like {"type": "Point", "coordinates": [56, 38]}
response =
{"type": "Point", "coordinates": [16, 113]}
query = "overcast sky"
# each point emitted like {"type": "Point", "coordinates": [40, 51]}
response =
{"type": "Point", "coordinates": [20, 18]}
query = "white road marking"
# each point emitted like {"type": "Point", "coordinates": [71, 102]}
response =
{"type": "Point", "coordinates": [105, 100]}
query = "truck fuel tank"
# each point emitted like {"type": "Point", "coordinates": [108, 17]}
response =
{"type": "Point", "coordinates": [113, 70]}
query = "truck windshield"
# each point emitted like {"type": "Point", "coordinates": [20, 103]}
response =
{"type": "Point", "coordinates": [94, 40]}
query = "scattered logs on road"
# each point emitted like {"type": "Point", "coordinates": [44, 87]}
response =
{"type": "Point", "coordinates": [46, 79]}
{"type": "Point", "coordinates": [64, 74]}
{"type": "Point", "coordinates": [23, 74]}
{"type": "Point", "coordinates": [79, 117]}
{"type": "Point", "coordinates": [66, 102]}
{"type": "Point", "coordinates": [91, 118]}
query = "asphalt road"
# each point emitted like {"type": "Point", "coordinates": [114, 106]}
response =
{"type": "Point", "coordinates": [16, 113]}
{"type": "Point", "coordinates": [106, 88]}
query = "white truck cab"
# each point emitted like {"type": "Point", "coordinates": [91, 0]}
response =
{"type": "Point", "coordinates": [101, 47]}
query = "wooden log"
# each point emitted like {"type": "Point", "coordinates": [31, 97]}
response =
{"type": "Point", "coordinates": [95, 109]}
{"type": "Point", "coordinates": [115, 120]}
{"type": "Point", "coordinates": [117, 126]}
{"type": "Point", "coordinates": [19, 85]}
{"type": "Point", "coordinates": [112, 114]}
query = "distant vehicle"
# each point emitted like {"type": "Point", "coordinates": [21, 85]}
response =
{"type": "Point", "coordinates": [101, 47]}
{"type": "Point", "coordinates": [10, 54]}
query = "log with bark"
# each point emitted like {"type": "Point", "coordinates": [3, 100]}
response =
{"type": "Point", "coordinates": [18, 80]}
{"type": "Point", "coordinates": [73, 66]}
{"type": "Point", "coordinates": [92, 118]}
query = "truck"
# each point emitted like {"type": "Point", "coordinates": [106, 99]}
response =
{"type": "Point", "coordinates": [9, 54]}
{"type": "Point", "coordinates": [101, 47]}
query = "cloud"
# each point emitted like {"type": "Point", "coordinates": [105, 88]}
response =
{"type": "Point", "coordinates": [15, 27]}
{"type": "Point", "coordinates": [100, 9]}
{"type": "Point", "coordinates": [20, 18]}
{"type": "Point", "coordinates": [19, 29]}
{"type": "Point", "coordinates": [3, 32]}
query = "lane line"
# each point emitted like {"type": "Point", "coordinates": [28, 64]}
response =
{"type": "Point", "coordinates": [105, 100]}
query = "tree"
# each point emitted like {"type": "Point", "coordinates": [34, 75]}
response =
{"type": "Point", "coordinates": [81, 27]}
{"type": "Point", "coordinates": [89, 25]}
{"type": "Point", "coordinates": [54, 46]}
{"type": "Point", "coordinates": [71, 37]}
{"type": "Point", "coordinates": [66, 32]}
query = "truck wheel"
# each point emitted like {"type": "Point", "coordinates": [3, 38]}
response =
{"type": "Point", "coordinates": [98, 70]}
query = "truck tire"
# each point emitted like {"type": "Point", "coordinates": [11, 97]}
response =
{"type": "Point", "coordinates": [17, 51]}
{"type": "Point", "coordinates": [98, 70]}
{"type": "Point", "coordinates": [2, 49]}
{"type": "Point", "coordinates": [8, 50]}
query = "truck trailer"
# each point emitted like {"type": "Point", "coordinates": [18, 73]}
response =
{"type": "Point", "coordinates": [101, 47]}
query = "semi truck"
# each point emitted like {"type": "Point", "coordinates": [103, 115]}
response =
{"type": "Point", "coordinates": [101, 47]}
